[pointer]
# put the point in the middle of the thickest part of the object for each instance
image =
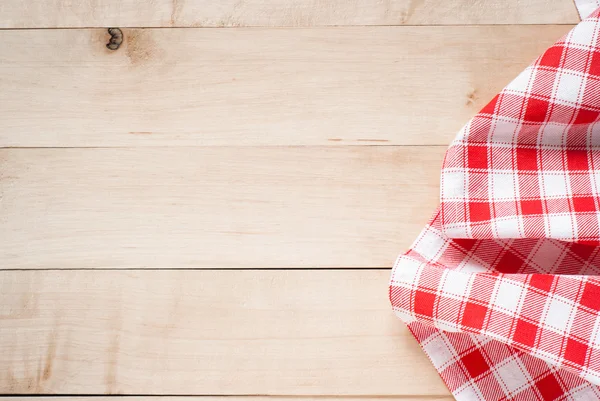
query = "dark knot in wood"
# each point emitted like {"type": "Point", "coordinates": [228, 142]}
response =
{"type": "Point", "coordinates": [116, 38]}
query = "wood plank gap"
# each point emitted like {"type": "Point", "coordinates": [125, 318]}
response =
{"type": "Point", "coordinates": [233, 146]}
{"type": "Point", "coordinates": [246, 397]}
{"type": "Point", "coordinates": [204, 269]}
{"type": "Point", "coordinates": [569, 24]}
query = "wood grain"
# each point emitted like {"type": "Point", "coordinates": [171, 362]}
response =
{"type": "Point", "coordinates": [206, 332]}
{"type": "Point", "coordinates": [214, 207]}
{"type": "Point", "coordinates": [231, 13]}
{"type": "Point", "coordinates": [178, 182]}
{"type": "Point", "coordinates": [203, 87]}
{"type": "Point", "coordinates": [226, 398]}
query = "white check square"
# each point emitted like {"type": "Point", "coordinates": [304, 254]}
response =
{"type": "Point", "coordinates": [555, 184]}
{"type": "Point", "coordinates": [557, 314]}
{"type": "Point", "coordinates": [509, 227]}
{"type": "Point", "coordinates": [408, 273]}
{"type": "Point", "coordinates": [512, 376]}
{"type": "Point", "coordinates": [454, 185]}
{"type": "Point", "coordinates": [438, 350]}
{"type": "Point", "coordinates": [456, 284]}
{"type": "Point", "coordinates": [502, 185]}
{"type": "Point", "coordinates": [560, 226]}
{"type": "Point", "coordinates": [430, 245]}
{"type": "Point", "coordinates": [569, 88]}
{"type": "Point", "coordinates": [583, 33]}
{"type": "Point", "coordinates": [508, 296]}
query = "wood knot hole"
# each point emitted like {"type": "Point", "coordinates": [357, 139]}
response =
{"type": "Point", "coordinates": [116, 38]}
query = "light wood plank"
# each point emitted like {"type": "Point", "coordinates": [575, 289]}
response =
{"type": "Point", "coordinates": [204, 13]}
{"type": "Point", "coordinates": [214, 207]}
{"type": "Point", "coordinates": [225, 398]}
{"type": "Point", "coordinates": [321, 86]}
{"type": "Point", "coordinates": [207, 332]}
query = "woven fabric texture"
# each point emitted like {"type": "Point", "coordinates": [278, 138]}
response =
{"type": "Point", "coordinates": [502, 288]}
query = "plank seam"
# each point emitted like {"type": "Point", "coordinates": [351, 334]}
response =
{"type": "Point", "coordinates": [356, 397]}
{"type": "Point", "coordinates": [287, 27]}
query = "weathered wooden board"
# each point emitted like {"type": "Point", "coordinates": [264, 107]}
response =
{"type": "Point", "coordinates": [321, 86]}
{"type": "Point", "coordinates": [214, 207]}
{"type": "Point", "coordinates": [200, 332]}
{"type": "Point", "coordinates": [178, 183]}
{"type": "Point", "coordinates": [227, 398]}
{"type": "Point", "coordinates": [228, 13]}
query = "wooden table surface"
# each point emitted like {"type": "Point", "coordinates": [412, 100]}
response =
{"type": "Point", "coordinates": [212, 209]}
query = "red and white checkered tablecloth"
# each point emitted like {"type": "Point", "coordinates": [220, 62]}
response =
{"type": "Point", "coordinates": [502, 288]}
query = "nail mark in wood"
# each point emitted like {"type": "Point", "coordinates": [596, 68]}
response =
{"type": "Point", "coordinates": [116, 38]}
{"type": "Point", "coordinates": [472, 97]}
